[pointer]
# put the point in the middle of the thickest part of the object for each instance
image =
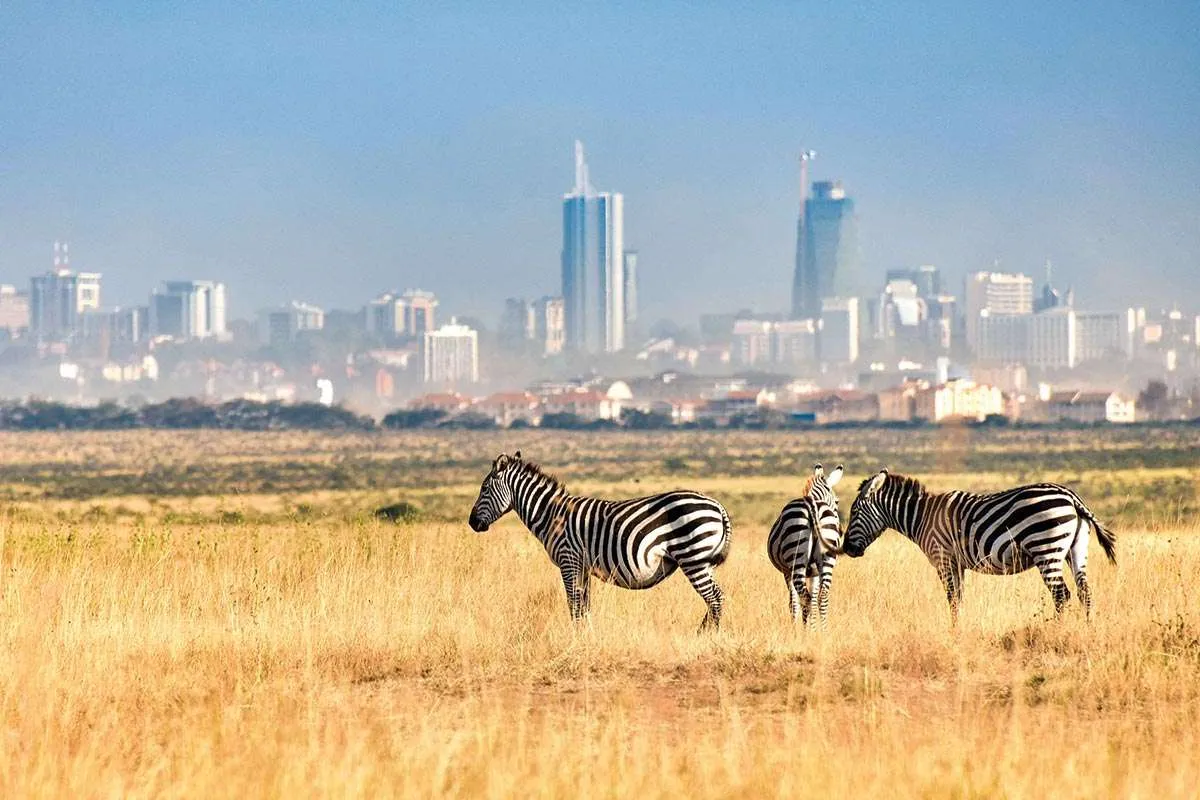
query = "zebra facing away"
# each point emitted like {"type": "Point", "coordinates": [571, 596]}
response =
{"type": "Point", "coordinates": [634, 544]}
{"type": "Point", "coordinates": [1043, 525]}
{"type": "Point", "coordinates": [804, 542]}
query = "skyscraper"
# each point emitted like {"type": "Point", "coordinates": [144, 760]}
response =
{"type": "Point", "coordinates": [631, 287]}
{"type": "Point", "coordinates": [827, 262]}
{"type": "Point", "coordinates": [593, 254]}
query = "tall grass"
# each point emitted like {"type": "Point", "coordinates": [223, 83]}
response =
{"type": "Point", "coordinates": [290, 657]}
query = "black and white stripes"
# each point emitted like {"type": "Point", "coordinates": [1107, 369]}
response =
{"type": "Point", "coordinates": [634, 544]}
{"type": "Point", "coordinates": [1043, 525]}
{"type": "Point", "coordinates": [638, 543]}
{"type": "Point", "coordinates": [804, 542]}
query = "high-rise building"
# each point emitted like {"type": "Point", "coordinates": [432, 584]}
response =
{"type": "Point", "coordinates": [419, 306]}
{"type": "Point", "coordinates": [997, 293]}
{"type": "Point", "coordinates": [451, 355]}
{"type": "Point", "coordinates": [57, 298]}
{"type": "Point", "coordinates": [631, 288]}
{"type": "Point", "coordinates": [533, 325]}
{"type": "Point", "coordinates": [189, 310]}
{"type": "Point", "coordinates": [14, 310]}
{"type": "Point", "coordinates": [279, 326]}
{"type": "Point", "coordinates": [549, 324]}
{"type": "Point", "coordinates": [393, 315]}
{"type": "Point", "coordinates": [593, 253]}
{"type": "Point", "coordinates": [1100, 336]}
{"type": "Point", "coordinates": [839, 330]}
{"type": "Point", "coordinates": [827, 257]}
{"type": "Point", "coordinates": [518, 325]}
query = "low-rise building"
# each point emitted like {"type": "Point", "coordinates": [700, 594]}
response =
{"type": "Point", "coordinates": [958, 399]}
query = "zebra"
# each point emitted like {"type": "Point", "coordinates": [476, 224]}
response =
{"type": "Point", "coordinates": [634, 544]}
{"type": "Point", "coordinates": [804, 542]}
{"type": "Point", "coordinates": [1041, 525]}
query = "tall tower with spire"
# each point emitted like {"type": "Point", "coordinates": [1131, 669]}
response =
{"type": "Point", "coordinates": [593, 268]}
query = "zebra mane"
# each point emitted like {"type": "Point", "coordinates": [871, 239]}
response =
{"type": "Point", "coordinates": [894, 479]}
{"type": "Point", "coordinates": [531, 468]}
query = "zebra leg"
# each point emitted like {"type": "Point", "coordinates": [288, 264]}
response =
{"type": "Point", "coordinates": [701, 577]}
{"type": "Point", "coordinates": [812, 590]}
{"type": "Point", "coordinates": [576, 585]}
{"type": "Point", "coordinates": [823, 601]}
{"type": "Point", "coordinates": [1077, 558]}
{"type": "Point", "coordinates": [793, 596]}
{"type": "Point", "coordinates": [952, 579]}
{"type": "Point", "coordinates": [1052, 576]}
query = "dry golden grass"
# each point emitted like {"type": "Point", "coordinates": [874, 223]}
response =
{"type": "Point", "coordinates": [284, 644]}
{"type": "Point", "coordinates": [291, 659]}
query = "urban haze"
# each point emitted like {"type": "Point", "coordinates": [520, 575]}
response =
{"type": "Point", "coordinates": [309, 195]}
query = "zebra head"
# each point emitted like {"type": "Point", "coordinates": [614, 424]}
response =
{"type": "Point", "coordinates": [867, 518]}
{"type": "Point", "coordinates": [827, 521]}
{"type": "Point", "coordinates": [495, 495]}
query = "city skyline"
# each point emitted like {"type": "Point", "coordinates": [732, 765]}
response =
{"type": "Point", "coordinates": [266, 149]}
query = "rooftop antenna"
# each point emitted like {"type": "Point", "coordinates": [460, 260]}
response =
{"type": "Point", "coordinates": [805, 157]}
{"type": "Point", "coordinates": [1049, 273]}
{"type": "Point", "coordinates": [582, 186]}
{"type": "Point", "coordinates": [66, 255]}
{"type": "Point", "coordinates": [57, 253]}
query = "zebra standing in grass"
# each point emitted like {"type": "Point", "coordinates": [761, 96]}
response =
{"type": "Point", "coordinates": [632, 543]}
{"type": "Point", "coordinates": [804, 542]}
{"type": "Point", "coordinates": [1042, 525]}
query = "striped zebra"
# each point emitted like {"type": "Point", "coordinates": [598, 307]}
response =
{"type": "Point", "coordinates": [634, 544]}
{"type": "Point", "coordinates": [804, 542]}
{"type": "Point", "coordinates": [1042, 525]}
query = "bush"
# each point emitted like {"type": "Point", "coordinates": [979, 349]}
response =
{"type": "Point", "coordinates": [402, 419]}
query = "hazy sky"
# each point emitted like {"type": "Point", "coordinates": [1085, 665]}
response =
{"type": "Point", "coordinates": [327, 155]}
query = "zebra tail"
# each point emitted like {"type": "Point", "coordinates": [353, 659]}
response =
{"type": "Point", "coordinates": [728, 537]}
{"type": "Point", "coordinates": [1108, 539]}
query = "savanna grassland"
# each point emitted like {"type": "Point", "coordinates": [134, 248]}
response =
{"type": "Point", "coordinates": [219, 614]}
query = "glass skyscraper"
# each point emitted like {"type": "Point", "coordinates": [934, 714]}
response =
{"type": "Point", "coordinates": [827, 259]}
{"type": "Point", "coordinates": [593, 275]}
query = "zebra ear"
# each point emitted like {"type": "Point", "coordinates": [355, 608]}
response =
{"type": "Point", "coordinates": [517, 456]}
{"type": "Point", "coordinates": [877, 481]}
{"type": "Point", "coordinates": [835, 476]}
{"type": "Point", "coordinates": [818, 471]}
{"type": "Point", "coordinates": [500, 463]}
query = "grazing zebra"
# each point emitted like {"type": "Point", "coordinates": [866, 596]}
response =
{"type": "Point", "coordinates": [1041, 525]}
{"type": "Point", "coordinates": [804, 542]}
{"type": "Point", "coordinates": [632, 543]}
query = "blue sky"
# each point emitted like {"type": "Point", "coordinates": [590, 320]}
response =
{"type": "Point", "coordinates": [329, 153]}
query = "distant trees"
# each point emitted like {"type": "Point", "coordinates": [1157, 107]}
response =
{"type": "Point", "coordinates": [181, 414]}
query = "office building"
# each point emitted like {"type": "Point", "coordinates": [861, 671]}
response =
{"type": "Point", "coordinates": [593, 255]}
{"type": "Point", "coordinates": [189, 310]}
{"type": "Point", "coordinates": [631, 288]}
{"type": "Point", "coordinates": [827, 257]}
{"type": "Point", "coordinates": [751, 342]}
{"type": "Point", "coordinates": [451, 355]}
{"type": "Point", "coordinates": [59, 297]}
{"type": "Point", "coordinates": [996, 293]}
{"type": "Point", "coordinates": [395, 315]}
{"type": "Point", "coordinates": [1100, 336]}
{"type": "Point", "coordinates": [549, 324]}
{"type": "Point", "coordinates": [794, 342]}
{"type": "Point", "coordinates": [839, 330]}
{"type": "Point", "coordinates": [280, 326]}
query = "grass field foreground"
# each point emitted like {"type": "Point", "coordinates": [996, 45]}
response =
{"type": "Point", "coordinates": [229, 646]}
